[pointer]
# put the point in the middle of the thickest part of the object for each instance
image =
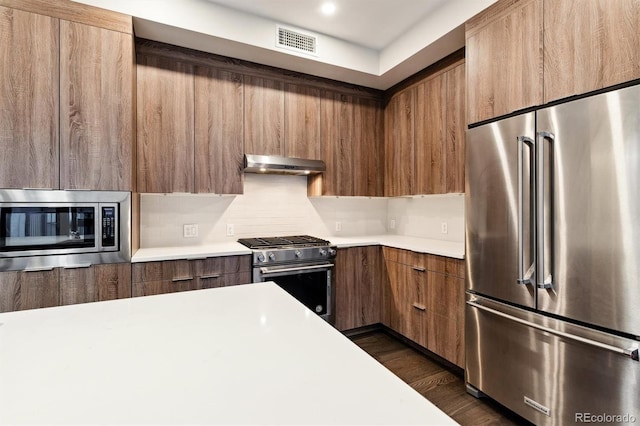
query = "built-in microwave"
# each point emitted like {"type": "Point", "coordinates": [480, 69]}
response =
{"type": "Point", "coordinates": [41, 229]}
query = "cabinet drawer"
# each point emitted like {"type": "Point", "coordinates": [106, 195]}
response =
{"type": "Point", "coordinates": [221, 265]}
{"type": "Point", "coordinates": [168, 270]}
{"type": "Point", "coordinates": [223, 280]}
{"type": "Point", "coordinates": [150, 288]}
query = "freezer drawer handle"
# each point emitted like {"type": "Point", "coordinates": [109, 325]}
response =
{"type": "Point", "coordinates": [631, 353]}
{"type": "Point", "coordinates": [525, 278]}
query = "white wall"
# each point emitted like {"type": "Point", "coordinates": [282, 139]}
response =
{"type": "Point", "coordinates": [278, 205]}
{"type": "Point", "coordinates": [423, 216]}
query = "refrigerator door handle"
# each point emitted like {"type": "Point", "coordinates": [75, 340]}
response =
{"type": "Point", "coordinates": [525, 277]}
{"type": "Point", "coordinates": [631, 352]}
{"type": "Point", "coordinates": [545, 280]}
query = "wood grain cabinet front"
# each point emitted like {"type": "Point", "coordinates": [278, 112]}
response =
{"type": "Point", "coordinates": [423, 299]}
{"type": "Point", "coordinates": [95, 283]}
{"type": "Point", "coordinates": [183, 275]}
{"type": "Point", "coordinates": [357, 287]}
{"type": "Point", "coordinates": [28, 290]}
{"type": "Point", "coordinates": [29, 100]}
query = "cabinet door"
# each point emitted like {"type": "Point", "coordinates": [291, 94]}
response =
{"type": "Point", "coordinates": [399, 153]}
{"type": "Point", "coordinates": [96, 107]}
{"type": "Point", "coordinates": [162, 277]}
{"type": "Point", "coordinates": [28, 290]}
{"type": "Point", "coordinates": [223, 280]}
{"type": "Point", "coordinates": [430, 135]}
{"type": "Point", "coordinates": [165, 131]}
{"type": "Point", "coordinates": [302, 122]}
{"type": "Point", "coordinates": [589, 45]}
{"type": "Point", "coordinates": [219, 105]}
{"type": "Point", "coordinates": [358, 287]}
{"type": "Point", "coordinates": [337, 143]}
{"type": "Point", "coordinates": [445, 323]}
{"type": "Point", "coordinates": [504, 59]}
{"type": "Point", "coordinates": [77, 285]}
{"type": "Point", "coordinates": [113, 281]}
{"type": "Point", "coordinates": [368, 146]}
{"type": "Point", "coordinates": [263, 116]}
{"type": "Point", "coordinates": [29, 100]}
{"type": "Point", "coordinates": [455, 130]}
{"type": "Point", "coordinates": [394, 297]}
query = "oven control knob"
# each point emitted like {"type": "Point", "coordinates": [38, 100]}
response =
{"type": "Point", "coordinates": [332, 252]}
{"type": "Point", "coordinates": [298, 254]}
{"type": "Point", "coordinates": [261, 257]}
{"type": "Point", "coordinates": [323, 252]}
{"type": "Point", "coordinates": [271, 256]}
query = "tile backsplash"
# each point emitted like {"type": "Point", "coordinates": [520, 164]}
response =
{"type": "Point", "coordinates": [278, 205]}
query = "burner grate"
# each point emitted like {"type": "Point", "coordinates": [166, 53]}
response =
{"type": "Point", "coordinates": [294, 240]}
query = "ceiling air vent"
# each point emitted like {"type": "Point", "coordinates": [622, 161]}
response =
{"type": "Point", "coordinates": [296, 40]}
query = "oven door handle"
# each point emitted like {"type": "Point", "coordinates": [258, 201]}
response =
{"type": "Point", "coordinates": [269, 271]}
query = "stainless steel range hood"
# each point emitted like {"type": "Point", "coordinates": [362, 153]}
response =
{"type": "Point", "coordinates": [276, 164]}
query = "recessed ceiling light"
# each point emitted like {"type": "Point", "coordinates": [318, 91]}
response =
{"type": "Point", "coordinates": [328, 8]}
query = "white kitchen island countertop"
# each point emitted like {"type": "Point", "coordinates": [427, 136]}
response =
{"type": "Point", "coordinates": [228, 356]}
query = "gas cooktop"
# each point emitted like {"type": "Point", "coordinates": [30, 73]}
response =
{"type": "Point", "coordinates": [262, 243]}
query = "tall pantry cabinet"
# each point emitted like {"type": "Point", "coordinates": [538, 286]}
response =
{"type": "Point", "coordinates": [66, 97]}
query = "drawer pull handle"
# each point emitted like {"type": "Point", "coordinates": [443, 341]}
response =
{"type": "Point", "coordinates": [182, 279]}
{"type": "Point", "coordinates": [419, 307]}
{"type": "Point", "coordinates": [419, 269]}
{"type": "Point", "coordinates": [78, 266]}
{"type": "Point", "coordinates": [39, 269]}
{"type": "Point", "coordinates": [208, 277]}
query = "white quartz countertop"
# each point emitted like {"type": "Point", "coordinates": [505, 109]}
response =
{"type": "Point", "coordinates": [231, 248]}
{"type": "Point", "coordinates": [247, 354]}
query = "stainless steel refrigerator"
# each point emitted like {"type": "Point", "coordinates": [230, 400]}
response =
{"type": "Point", "coordinates": [553, 260]}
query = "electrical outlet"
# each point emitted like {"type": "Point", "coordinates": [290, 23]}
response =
{"type": "Point", "coordinates": [190, 230]}
{"type": "Point", "coordinates": [392, 224]}
{"type": "Point", "coordinates": [444, 228]}
{"type": "Point", "coordinates": [338, 226]}
{"type": "Point", "coordinates": [230, 230]}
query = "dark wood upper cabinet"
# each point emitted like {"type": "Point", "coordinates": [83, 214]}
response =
{"type": "Point", "coordinates": [337, 112]}
{"type": "Point", "coordinates": [504, 59]}
{"type": "Point", "coordinates": [263, 116]}
{"type": "Point", "coordinates": [456, 126]}
{"type": "Point", "coordinates": [219, 107]}
{"type": "Point", "coordinates": [29, 99]}
{"type": "Point", "coordinates": [589, 45]}
{"type": "Point", "coordinates": [302, 121]}
{"type": "Point", "coordinates": [368, 148]}
{"type": "Point", "coordinates": [430, 135]}
{"type": "Point", "coordinates": [399, 147]}
{"type": "Point", "coordinates": [165, 131]}
{"type": "Point", "coordinates": [96, 107]}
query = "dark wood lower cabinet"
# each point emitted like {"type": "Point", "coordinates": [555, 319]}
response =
{"type": "Point", "coordinates": [357, 287]}
{"type": "Point", "coordinates": [28, 290]}
{"type": "Point", "coordinates": [95, 283]}
{"type": "Point", "coordinates": [172, 276]}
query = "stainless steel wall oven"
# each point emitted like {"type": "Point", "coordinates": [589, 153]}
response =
{"type": "Point", "coordinates": [42, 229]}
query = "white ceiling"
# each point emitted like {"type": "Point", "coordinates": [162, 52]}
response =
{"type": "Point", "coordinates": [369, 23]}
{"type": "Point", "coordinates": [372, 43]}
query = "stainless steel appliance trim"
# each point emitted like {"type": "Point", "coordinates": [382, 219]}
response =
{"type": "Point", "coordinates": [275, 270]}
{"type": "Point", "coordinates": [78, 266]}
{"type": "Point", "coordinates": [631, 352]}
{"type": "Point", "coordinates": [524, 277]}
{"type": "Point", "coordinates": [282, 165]}
{"type": "Point", "coordinates": [545, 280]}
{"type": "Point", "coordinates": [99, 237]}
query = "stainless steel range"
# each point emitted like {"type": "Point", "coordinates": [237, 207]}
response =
{"type": "Point", "coordinates": [302, 265]}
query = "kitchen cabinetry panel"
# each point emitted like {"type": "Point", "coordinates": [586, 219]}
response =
{"type": "Point", "coordinates": [424, 301]}
{"type": "Point", "coordinates": [456, 125]}
{"type": "Point", "coordinates": [337, 143]}
{"type": "Point", "coordinates": [589, 45]}
{"type": "Point", "coordinates": [151, 288]}
{"type": "Point", "coordinates": [165, 131]}
{"type": "Point", "coordinates": [95, 283]}
{"type": "Point", "coordinates": [96, 101]}
{"type": "Point", "coordinates": [368, 148]}
{"type": "Point", "coordinates": [358, 287]}
{"type": "Point", "coordinates": [219, 138]}
{"type": "Point", "coordinates": [263, 116]}
{"type": "Point", "coordinates": [29, 100]}
{"type": "Point", "coordinates": [302, 122]}
{"type": "Point", "coordinates": [28, 290]}
{"type": "Point", "coordinates": [504, 59]}
{"type": "Point", "coordinates": [399, 152]}
{"type": "Point", "coordinates": [430, 135]}
{"type": "Point", "coordinates": [221, 265]}
{"type": "Point", "coordinates": [223, 280]}
{"type": "Point", "coordinates": [163, 270]}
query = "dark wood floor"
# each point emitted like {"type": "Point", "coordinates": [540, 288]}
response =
{"type": "Point", "coordinates": [443, 387]}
